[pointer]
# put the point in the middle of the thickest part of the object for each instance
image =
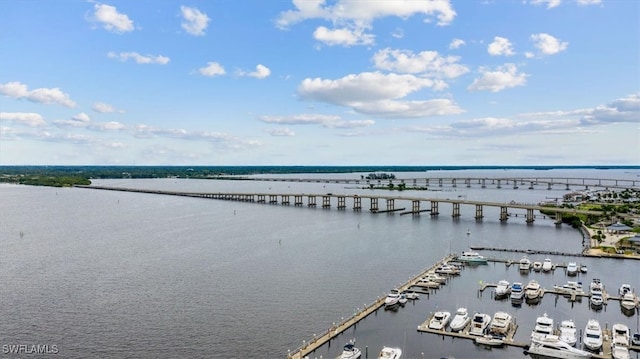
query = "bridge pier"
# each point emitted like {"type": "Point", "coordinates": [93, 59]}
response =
{"type": "Point", "coordinates": [415, 207]}
{"type": "Point", "coordinates": [390, 204]}
{"type": "Point", "coordinates": [504, 214]}
{"type": "Point", "coordinates": [273, 199]}
{"type": "Point", "coordinates": [484, 185]}
{"type": "Point", "coordinates": [297, 200]}
{"type": "Point", "coordinates": [453, 182]}
{"type": "Point", "coordinates": [515, 184]}
{"type": "Point", "coordinates": [326, 201]}
{"type": "Point", "coordinates": [498, 186]}
{"type": "Point", "coordinates": [311, 201]}
{"type": "Point", "coordinates": [374, 205]}
{"type": "Point", "coordinates": [341, 202]}
{"type": "Point", "coordinates": [549, 186]}
{"type": "Point", "coordinates": [558, 218]}
{"type": "Point", "coordinates": [456, 210]}
{"type": "Point", "coordinates": [479, 214]}
{"type": "Point", "coordinates": [530, 216]}
{"type": "Point", "coordinates": [531, 186]}
{"type": "Point", "coordinates": [285, 200]}
{"type": "Point", "coordinates": [357, 203]}
{"type": "Point", "coordinates": [261, 198]}
{"type": "Point", "coordinates": [434, 208]}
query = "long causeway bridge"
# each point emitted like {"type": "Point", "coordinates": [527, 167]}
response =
{"type": "Point", "coordinates": [359, 202]}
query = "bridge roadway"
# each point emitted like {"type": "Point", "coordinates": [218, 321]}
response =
{"type": "Point", "coordinates": [514, 182]}
{"type": "Point", "coordinates": [328, 199]}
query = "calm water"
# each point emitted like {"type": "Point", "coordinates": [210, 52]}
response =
{"type": "Point", "coordinates": [112, 275]}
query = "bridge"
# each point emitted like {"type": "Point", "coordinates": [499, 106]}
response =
{"type": "Point", "coordinates": [549, 183]}
{"type": "Point", "coordinates": [327, 200]}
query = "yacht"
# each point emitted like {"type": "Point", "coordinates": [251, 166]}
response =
{"type": "Point", "coordinates": [624, 289]}
{"type": "Point", "coordinates": [525, 264]}
{"type": "Point", "coordinates": [479, 324]}
{"type": "Point", "coordinates": [472, 258]}
{"type": "Point", "coordinates": [621, 335]}
{"type": "Point", "coordinates": [411, 295]}
{"type": "Point", "coordinates": [569, 288]}
{"type": "Point", "coordinates": [349, 351]}
{"type": "Point", "coordinates": [434, 277]}
{"type": "Point", "coordinates": [547, 266]}
{"type": "Point", "coordinates": [537, 266]}
{"type": "Point", "coordinates": [628, 301]}
{"type": "Point", "coordinates": [620, 352]}
{"type": "Point", "coordinates": [533, 290]}
{"type": "Point", "coordinates": [439, 320]}
{"type": "Point", "coordinates": [568, 332]}
{"type": "Point", "coordinates": [572, 269]}
{"type": "Point", "coordinates": [502, 289]}
{"type": "Point", "coordinates": [500, 323]}
{"type": "Point", "coordinates": [550, 346]}
{"type": "Point", "coordinates": [517, 292]}
{"type": "Point", "coordinates": [544, 326]}
{"type": "Point", "coordinates": [584, 268]}
{"type": "Point", "coordinates": [402, 299]}
{"type": "Point", "coordinates": [490, 340]}
{"type": "Point", "coordinates": [392, 299]}
{"type": "Point", "coordinates": [460, 320]}
{"type": "Point", "coordinates": [448, 269]}
{"type": "Point", "coordinates": [592, 337]}
{"type": "Point", "coordinates": [596, 300]}
{"type": "Point", "coordinates": [595, 286]}
{"type": "Point", "coordinates": [390, 353]}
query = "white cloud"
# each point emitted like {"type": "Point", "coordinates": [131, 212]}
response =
{"type": "Point", "coordinates": [139, 59]}
{"type": "Point", "coordinates": [344, 36]}
{"type": "Point", "coordinates": [547, 44]}
{"type": "Point", "coordinates": [327, 121]}
{"type": "Point", "coordinates": [102, 107]}
{"type": "Point", "coordinates": [550, 3]}
{"type": "Point", "coordinates": [588, 2]}
{"type": "Point", "coordinates": [409, 109]}
{"type": "Point", "coordinates": [456, 43]}
{"type": "Point", "coordinates": [30, 119]}
{"type": "Point", "coordinates": [18, 90]}
{"type": "Point", "coordinates": [398, 33]}
{"type": "Point", "coordinates": [212, 69]}
{"type": "Point", "coordinates": [81, 117]}
{"type": "Point", "coordinates": [280, 132]}
{"type": "Point", "coordinates": [195, 22]}
{"type": "Point", "coordinates": [501, 78]}
{"type": "Point", "coordinates": [111, 19]}
{"type": "Point", "coordinates": [500, 46]}
{"type": "Point", "coordinates": [428, 63]}
{"type": "Point", "coordinates": [261, 72]}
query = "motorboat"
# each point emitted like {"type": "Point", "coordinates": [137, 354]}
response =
{"type": "Point", "coordinates": [440, 320]}
{"type": "Point", "coordinates": [537, 266]}
{"type": "Point", "coordinates": [570, 287]}
{"type": "Point", "coordinates": [550, 346]}
{"type": "Point", "coordinates": [547, 265]}
{"type": "Point", "coordinates": [390, 353]}
{"type": "Point", "coordinates": [635, 339]}
{"type": "Point", "coordinates": [568, 332]}
{"type": "Point", "coordinates": [472, 257]}
{"type": "Point", "coordinates": [620, 352]}
{"type": "Point", "coordinates": [349, 351]}
{"type": "Point", "coordinates": [525, 264]}
{"type": "Point", "coordinates": [502, 289]}
{"type": "Point", "coordinates": [533, 289]}
{"type": "Point", "coordinates": [402, 299]}
{"type": "Point", "coordinates": [392, 299]}
{"type": "Point", "coordinates": [544, 326]}
{"type": "Point", "coordinates": [490, 340]}
{"type": "Point", "coordinates": [428, 283]}
{"type": "Point", "coordinates": [628, 301]}
{"type": "Point", "coordinates": [595, 286]}
{"type": "Point", "coordinates": [460, 320]}
{"type": "Point", "coordinates": [621, 334]}
{"type": "Point", "coordinates": [572, 269]}
{"type": "Point", "coordinates": [448, 269]}
{"type": "Point", "coordinates": [583, 268]}
{"type": "Point", "coordinates": [517, 292]}
{"type": "Point", "coordinates": [479, 324]}
{"type": "Point", "coordinates": [596, 300]}
{"type": "Point", "coordinates": [434, 277]}
{"type": "Point", "coordinates": [500, 323]}
{"type": "Point", "coordinates": [624, 289]}
{"type": "Point", "coordinates": [411, 295]}
{"type": "Point", "coordinates": [592, 337]}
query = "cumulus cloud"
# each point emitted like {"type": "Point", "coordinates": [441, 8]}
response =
{"type": "Point", "coordinates": [503, 77]}
{"type": "Point", "coordinates": [550, 3]}
{"type": "Point", "coordinates": [194, 21]}
{"type": "Point", "coordinates": [261, 72]}
{"type": "Point", "coordinates": [18, 90]}
{"type": "Point", "coordinates": [344, 36]}
{"type": "Point", "coordinates": [456, 43]}
{"type": "Point", "coordinates": [280, 132]}
{"type": "Point", "coordinates": [212, 69]}
{"type": "Point", "coordinates": [81, 117]}
{"type": "Point", "coordinates": [30, 119]}
{"type": "Point", "coordinates": [500, 46]}
{"type": "Point", "coordinates": [547, 44]}
{"type": "Point", "coordinates": [102, 107]}
{"type": "Point", "coordinates": [111, 19]}
{"type": "Point", "coordinates": [327, 121]}
{"type": "Point", "coordinates": [139, 59]}
{"type": "Point", "coordinates": [429, 63]}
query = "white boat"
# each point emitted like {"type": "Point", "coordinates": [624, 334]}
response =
{"type": "Point", "coordinates": [479, 324]}
{"type": "Point", "coordinates": [596, 300]}
{"type": "Point", "coordinates": [547, 266]}
{"type": "Point", "coordinates": [440, 320]}
{"type": "Point", "coordinates": [569, 288]}
{"type": "Point", "coordinates": [635, 339]}
{"type": "Point", "coordinates": [533, 289]}
{"type": "Point", "coordinates": [402, 299]}
{"type": "Point", "coordinates": [411, 295]}
{"type": "Point", "coordinates": [583, 268]}
{"type": "Point", "coordinates": [628, 301]}
{"type": "Point", "coordinates": [568, 332]}
{"type": "Point", "coordinates": [517, 292]}
{"type": "Point", "coordinates": [543, 327]}
{"type": "Point", "coordinates": [460, 320]}
{"type": "Point", "coordinates": [392, 299]}
{"type": "Point", "coordinates": [428, 283]}
{"type": "Point", "coordinates": [390, 353]}
{"type": "Point", "coordinates": [624, 289]}
{"type": "Point", "coordinates": [537, 266]}
{"type": "Point", "coordinates": [349, 351]}
{"type": "Point", "coordinates": [472, 257]}
{"type": "Point", "coordinates": [434, 277]}
{"type": "Point", "coordinates": [500, 323]}
{"type": "Point", "coordinates": [490, 340]}
{"type": "Point", "coordinates": [620, 352]}
{"type": "Point", "coordinates": [525, 264]}
{"type": "Point", "coordinates": [595, 286]}
{"type": "Point", "coordinates": [448, 269]}
{"type": "Point", "coordinates": [592, 337]}
{"type": "Point", "coordinates": [550, 346]}
{"type": "Point", "coordinates": [502, 289]}
{"type": "Point", "coordinates": [572, 269]}
{"type": "Point", "coordinates": [621, 335]}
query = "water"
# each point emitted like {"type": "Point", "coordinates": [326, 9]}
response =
{"type": "Point", "coordinates": [113, 274]}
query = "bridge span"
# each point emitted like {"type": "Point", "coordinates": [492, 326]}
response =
{"type": "Point", "coordinates": [328, 200]}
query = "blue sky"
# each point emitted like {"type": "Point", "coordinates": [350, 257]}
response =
{"type": "Point", "coordinates": [312, 82]}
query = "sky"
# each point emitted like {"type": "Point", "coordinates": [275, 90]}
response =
{"type": "Point", "coordinates": [320, 82]}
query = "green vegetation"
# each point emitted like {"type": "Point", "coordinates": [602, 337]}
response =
{"type": "Point", "coordinates": [52, 181]}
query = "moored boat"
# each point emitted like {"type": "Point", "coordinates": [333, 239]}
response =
{"type": "Point", "coordinates": [390, 353]}
{"type": "Point", "coordinates": [502, 289]}
{"type": "Point", "coordinates": [543, 327]}
{"type": "Point", "coordinates": [628, 301]}
{"type": "Point", "coordinates": [550, 346]}
{"type": "Point", "coordinates": [621, 334]}
{"type": "Point", "coordinates": [479, 324]}
{"type": "Point", "coordinates": [572, 269]}
{"type": "Point", "coordinates": [592, 337]}
{"type": "Point", "coordinates": [460, 320]}
{"type": "Point", "coordinates": [568, 332]}
{"type": "Point", "coordinates": [524, 264]}
{"type": "Point", "coordinates": [517, 292]}
{"type": "Point", "coordinates": [547, 265]}
{"type": "Point", "coordinates": [490, 340]}
{"type": "Point", "coordinates": [624, 289]}
{"type": "Point", "coordinates": [533, 289]}
{"type": "Point", "coordinates": [392, 299]}
{"type": "Point", "coordinates": [472, 257]}
{"type": "Point", "coordinates": [537, 266]}
{"type": "Point", "coordinates": [440, 320]}
{"type": "Point", "coordinates": [500, 323]}
{"type": "Point", "coordinates": [349, 351]}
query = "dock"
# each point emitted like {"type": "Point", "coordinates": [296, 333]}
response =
{"type": "Point", "coordinates": [335, 330]}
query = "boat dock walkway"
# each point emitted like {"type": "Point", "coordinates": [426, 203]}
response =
{"type": "Point", "coordinates": [335, 330]}
{"type": "Point", "coordinates": [464, 333]}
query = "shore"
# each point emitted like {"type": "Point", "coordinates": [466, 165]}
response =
{"type": "Point", "coordinates": [610, 240]}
